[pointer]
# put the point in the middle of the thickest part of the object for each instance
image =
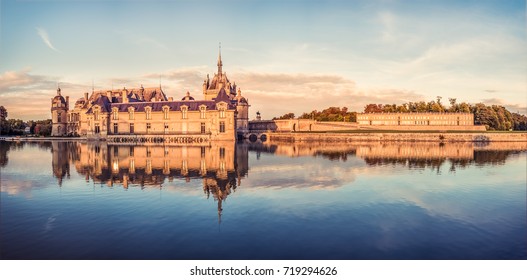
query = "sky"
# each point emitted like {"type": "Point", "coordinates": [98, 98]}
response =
{"type": "Point", "coordinates": [285, 56]}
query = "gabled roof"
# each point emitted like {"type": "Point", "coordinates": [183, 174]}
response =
{"type": "Point", "coordinates": [222, 96]}
{"type": "Point", "coordinates": [103, 102]}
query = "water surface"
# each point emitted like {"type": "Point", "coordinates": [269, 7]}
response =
{"type": "Point", "coordinates": [74, 200]}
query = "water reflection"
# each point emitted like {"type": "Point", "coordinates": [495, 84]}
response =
{"type": "Point", "coordinates": [418, 155]}
{"type": "Point", "coordinates": [220, 167]}
{"type": "Point", "coordinates": [223, 165]}
{"type": "Point", "coordinates": [373, 200]}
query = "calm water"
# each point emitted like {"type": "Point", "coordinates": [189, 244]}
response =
{"type": "Point", "coordinates": [73, 200]}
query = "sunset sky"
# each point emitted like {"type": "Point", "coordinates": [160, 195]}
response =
{"type": "Point", "coordinates": [286, 56]}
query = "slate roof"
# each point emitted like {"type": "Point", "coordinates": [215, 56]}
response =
{"type": "Point", "coordinates": [193, 105]}
{"type": "Point", "coordinates": [103, 102]}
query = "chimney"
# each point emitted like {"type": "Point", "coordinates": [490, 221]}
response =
{"type": "Point", "coordinates": [85, 97]}
{"type": "Point", "coordinates": [124, 94]}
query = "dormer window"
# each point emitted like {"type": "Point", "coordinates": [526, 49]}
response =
{"type": "Point", "coordinates": [221, 108]}
{"type": "Point", "coordinates": [115, 114]}
{"type": "Point", "coordinates": [131, 113]}
{"type": "Point", "coordinates": [96, 114]}
{"type": "Point", "coordinates": [165, 112]}
{"type": "Point", "coordinates": [148, 111]}
{"type": "Point", "coordinates": [184, 110]}
{"type": "Point", "coordinates": [202, 111]}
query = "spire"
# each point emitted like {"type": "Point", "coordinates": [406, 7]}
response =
{"type": "Point", "coordinates": [220, 63]}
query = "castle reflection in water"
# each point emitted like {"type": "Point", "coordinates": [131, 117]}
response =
{"type": "Point", "coordinates": [222, 166]}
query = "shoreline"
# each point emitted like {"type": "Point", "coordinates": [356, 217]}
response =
{"type": "Point", "coordinates": [440, 137]}
{"type": "Point", "coordinates": [348, 136]}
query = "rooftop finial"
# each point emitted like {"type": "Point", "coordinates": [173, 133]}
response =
{"type": "Point", "coordinates": [220, 63]}
{"type": "Point", "coordinates": [58, 88]}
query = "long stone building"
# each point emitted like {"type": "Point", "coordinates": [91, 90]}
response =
{"type": "Point", "coordinates": [418, 121]}
{"type": "Point", "coordinates": [146, 114]}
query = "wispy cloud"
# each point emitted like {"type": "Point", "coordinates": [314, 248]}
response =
{"type": "Point", "coordinates": [45, 38]}
{"type": "Point", "coordinates": [514, 108]}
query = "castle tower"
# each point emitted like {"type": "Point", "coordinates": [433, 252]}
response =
{"type": "Point", "coordinates": [211, 88]}
{"type": "Point", "coordinates": [242, 117]}
{"type": "Point", "coordinates": [59, 114]}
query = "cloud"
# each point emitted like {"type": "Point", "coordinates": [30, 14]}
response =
{"type": "Point", "coordinates": [27, 96]}
{"type": "Point", "coordinates": [45, 38]}
{"type": "Point", "coordinates": [275, 94]}
{"type": "Point", "coordinates": [513, 108]}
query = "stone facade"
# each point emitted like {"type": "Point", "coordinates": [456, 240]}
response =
{"type": "Point", "coordinates": [221, 115]}
{"type": "Point", "coordinates": [59, 114]}
{"type": "Point", "coordinates": [416, 119]}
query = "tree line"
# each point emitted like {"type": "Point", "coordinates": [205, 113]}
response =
{"type": "Point", "coordinates": [18, 126]}
{"type": "Point", "coordinates": [493, 117]}
{"type": "Point", "coordinates": [331, 114]}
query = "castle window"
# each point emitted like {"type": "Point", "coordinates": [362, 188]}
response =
{"type": "Point", "coordinates": [132, 128]}
{"type": "Point", "coordinates": [222, 113]}
{"type": "Point", "coordinates": [58, 116]}
{"type": "Point", "coordinates": [222, 127]}
{"type": "Point", "coordinates": [115, 128]}
{"type": "Point", "coordinates": [96, 115]}
{"type": "Point", "coordinates": [165, 113]}
{"type": "Point", "coordinates": [97, 129]}
{"type": "Point", "coordinates": [184, 110]}
{"type": "Point", "coordinates": [202, 127]}
{"type": "Point", "coordinates": [148, 127]}
{"type": "Point", "coordinates": [202, 111]}
{"type": "Point", "coordinates": [222, 152]}
{"type": "Point", "coordinates": [115, 114]}
{"type": "Point", "coordinates": [148, 111]}
{"type": "Point", "coordinates": [131, 113]}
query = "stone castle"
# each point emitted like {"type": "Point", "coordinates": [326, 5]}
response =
{"type": "Point", "coordinates": [146, 115]}
{"type": "Point", "coordinates": [130, 114]}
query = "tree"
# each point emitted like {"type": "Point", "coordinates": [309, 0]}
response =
{"type": "Point", "coordinates": [519, 121]}
{"type": "Point", "coordinates": [3, 117]}
{"type": "Point", "coordinates": [287, 116]}
{"type": "Point", "coordinates": [373, 108]}
{"type": "Point", "coordinates": [43, 127]}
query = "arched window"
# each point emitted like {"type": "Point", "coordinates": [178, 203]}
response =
{"type": "Point", "coordinates": [148, 111]}
{"type": "Point", "coordinates": [130, 113]}
{"type": "Point", "coordinates": [165, 112]}
{"type": "Point", "coordinates": [202, 111]}
{"type": "Point", "coordinates": [115, 114]}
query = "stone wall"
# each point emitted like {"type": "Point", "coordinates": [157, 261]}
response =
{"type": "Point", "coordinates": [401, 137]}
{"type": "Point", "coordinates": [311, 125]}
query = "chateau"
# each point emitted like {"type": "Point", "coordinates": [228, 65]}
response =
{"type": "Point", "coordinates": [128, 115]}
{"type": "Point", "coordinates": [137, 115]}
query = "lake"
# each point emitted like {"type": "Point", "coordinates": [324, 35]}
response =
{"type": "Point", "coordinates": [371, 200]}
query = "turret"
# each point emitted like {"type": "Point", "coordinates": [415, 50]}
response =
{"type": "Point", "coordinates": [124, 94]}
{"type": "Point", "coordinates": [59, 112]}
